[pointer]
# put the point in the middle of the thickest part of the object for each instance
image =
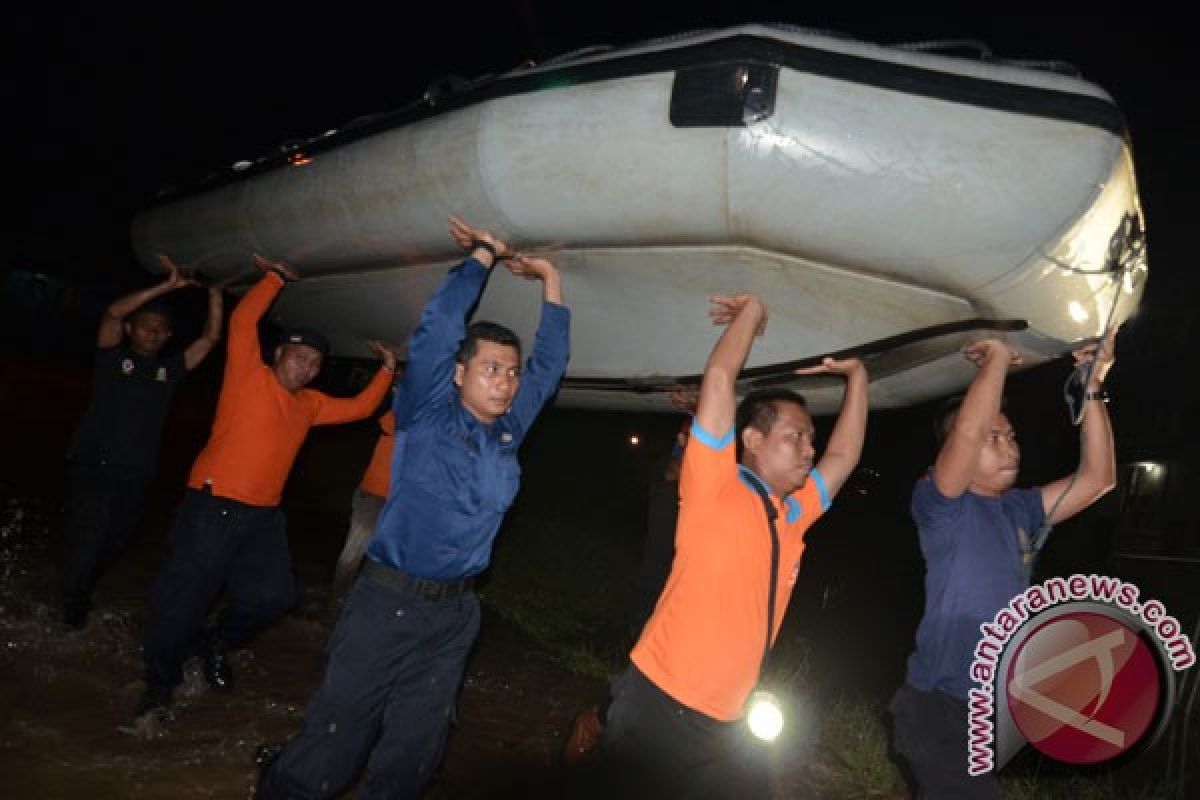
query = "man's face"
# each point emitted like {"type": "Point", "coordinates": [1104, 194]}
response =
{"type": "Point", "coordinates": [488, 381]}
{"type": "Point", "coordinates": [783, 456]}
{"type": "Point", "coordinates": [148, 331]}
{"type": "Point", "coordinates": [999, 461]}
{"type": "Point", "coordinates": [296, 365]}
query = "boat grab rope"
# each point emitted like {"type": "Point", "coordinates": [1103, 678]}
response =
{"type": "Point", "coordinates": [1126, 252]}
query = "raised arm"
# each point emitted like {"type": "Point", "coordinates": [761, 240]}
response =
{"type": "Point", "coordinates": [1097, 473]}
{"type": "Point", "coordinates": [551, 346]}
{"type": "Point", "coordinates": [959, 457]}
{"type": "Point", "coordinates": [443, 323]}
{"type": "Point", "coordinates": [198, 350]}
{"type": "Point", "coordinates": [745, 317]}
{"type": "Point", "coordinates": [535, 268]}
{"type": "Point", "coordinates": [110, 331]}
{"type": "Point", "coordinates": [336, 410]}
{"type": "Point", "coordinates": [846, 441]}
{"type": "Point", "coordinates": [244, 351]}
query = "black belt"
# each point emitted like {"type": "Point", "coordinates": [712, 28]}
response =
{"type": "Point", "coordinates": [424, 589]}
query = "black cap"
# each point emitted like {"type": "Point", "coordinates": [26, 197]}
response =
{"type": "Point", "coordinates": [307, 336]}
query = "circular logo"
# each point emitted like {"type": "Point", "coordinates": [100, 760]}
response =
{"type": "Point", "coordinates": [1084, 688]}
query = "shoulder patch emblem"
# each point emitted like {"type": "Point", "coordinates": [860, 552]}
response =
{"type": "Point", "coordinates": [127, 366]}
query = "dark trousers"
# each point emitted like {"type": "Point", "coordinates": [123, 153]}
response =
{"type": "Point", "coordinates": [394, 670]}
{"type": "Point", "coordinates": [364, 513]}
{"type": "Point", "coordinates": [655, 746]}
{"type": "Point", "coordinates": [930, 735]}
{"type": "Point", "coordinates": [216, 543]}
{"type": "Point", "coordinates": [103, 511]}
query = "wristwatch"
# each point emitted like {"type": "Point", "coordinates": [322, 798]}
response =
{"type": "Point", "coordinates": [1099, 394]}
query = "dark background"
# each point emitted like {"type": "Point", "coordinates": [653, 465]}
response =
{"type": "Point", "coordinates": [105, 106]}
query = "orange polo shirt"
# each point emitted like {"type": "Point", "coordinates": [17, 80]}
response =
{"type": "Point", "coordinates": [703, 645]}
{"type": "Point", "coordinates": [259, 425]}
{"type": "Point", "coordinates": [378, 476]}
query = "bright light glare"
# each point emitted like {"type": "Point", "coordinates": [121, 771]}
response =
{"type": "Point", "coordinates": [634, 440]}
{"type": "Point", "coordinates": [1077, 311]}
{"type": "Point", "coordinates": [765, 717]}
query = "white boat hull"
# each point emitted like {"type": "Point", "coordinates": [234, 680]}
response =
{"type": "Point", "coordinates": [859, 212]}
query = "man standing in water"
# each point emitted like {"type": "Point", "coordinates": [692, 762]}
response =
{"type": "Point", "coordinates": [229, 532]}
{"type": "Point", "coordinates": [115, 449]}
{"type": "Point", "coordinates": [398, 653]}
{"type": "Point", "coordinates": [977, 534]}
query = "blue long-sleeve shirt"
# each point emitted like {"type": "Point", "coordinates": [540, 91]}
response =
{"type": "Point", "coordinates": [454, 477]}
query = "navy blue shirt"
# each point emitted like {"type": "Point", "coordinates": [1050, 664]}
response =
{"type": "Point", "coordinates": [453, 477]}
{"type": "Point", "coordinates": [131, 394]}
{"type": "Point", "coordinates": [973, 568]}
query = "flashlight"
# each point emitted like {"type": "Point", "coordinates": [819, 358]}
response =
{"type": "Point", "coordinates": [764, 715]}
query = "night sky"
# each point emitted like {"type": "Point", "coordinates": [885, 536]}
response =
{"type": "Point", "coordinates": [112, 105]}
{"type": "Point", "coordinates": [108, 106]}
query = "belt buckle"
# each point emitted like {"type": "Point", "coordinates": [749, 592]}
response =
{"type": "Point", "coordinates": [431, 591]}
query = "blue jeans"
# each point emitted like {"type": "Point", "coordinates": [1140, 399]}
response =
{"type": "Point", "coordinates": [394, 670]}
{"type": "Point", "coordinates": [216, 542]}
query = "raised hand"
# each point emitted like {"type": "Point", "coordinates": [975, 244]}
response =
{"type": "Point", "coordinates": [275, 266]}
{"type": "Point", "coordinates": [979, 352]}
{"type": "Point", "coordinates": [1102, 353]}
{"type": "Point", "coordinates": [383, 351]}
{"type": "Point", "coordinates": [834, 366]}
{"type": "Point", "coordinates": [684, 398]}
{"type": "Point", "coordinates": [176, 276]}
{"type": "Point", "coordinates": [466, 235]}
{"type": "Point", "coordinates": [531, 268]}
{"type": "Point", "coordinates": [724, 309]}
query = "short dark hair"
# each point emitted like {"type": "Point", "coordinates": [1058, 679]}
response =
{"type": "Point", "coordinates": [947, 412]}
{"type": "Point", "coordinates": [759, 410]}
{"type": "Point", "coordinates": [487, 332]}
{"type": "Point", "coordinates": [153, 307]}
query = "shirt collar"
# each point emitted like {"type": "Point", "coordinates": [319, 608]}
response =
{"type": "Point", "coordinates": [473, 426]}
{"type": "Point", "coordinates": [747, 476]}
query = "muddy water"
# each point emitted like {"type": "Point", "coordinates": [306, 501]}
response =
{"type": "Point", "coordinates": [66, 699]}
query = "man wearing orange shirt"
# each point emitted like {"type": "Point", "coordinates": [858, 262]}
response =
{"type": "Point", "coordinates": [673, 727]}
{"type": "Point", "coordinates": [365, 506]}
{"type": "Point", "coordinates": [229, 531]}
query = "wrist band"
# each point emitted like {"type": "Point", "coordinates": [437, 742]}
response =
{"type": "Point", "coordinates": [279, 272]}
{"type": "Point", "coordinates": [1099, 394]}
{"type": "Point", "coordinates": [480, 244]}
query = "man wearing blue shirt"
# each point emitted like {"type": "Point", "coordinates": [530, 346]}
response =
{"type": "Point", "coordinates": [397, 655]}
{"type": "Point", "coordinates": [977, 533]}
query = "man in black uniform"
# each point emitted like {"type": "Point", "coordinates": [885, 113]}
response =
{"type": "Point", "coordinates": [115, 449]}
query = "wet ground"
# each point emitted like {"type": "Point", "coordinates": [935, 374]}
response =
{"type": "Point", "coordinates": [66, 699]}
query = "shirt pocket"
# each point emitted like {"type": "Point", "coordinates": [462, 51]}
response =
{"type": "Point", "coordinates": [445, 464]}
{"type": "Point", "coordinates": [507, 479]}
